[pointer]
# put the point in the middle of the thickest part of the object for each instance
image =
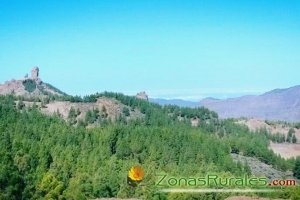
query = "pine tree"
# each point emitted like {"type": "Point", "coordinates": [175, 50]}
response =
{"type": "Point", "coordinates": [296, 170]}
{"type": "Point", "coordinates": [294, 139]}
{"type": "Point", "coordinates": [290, 135]}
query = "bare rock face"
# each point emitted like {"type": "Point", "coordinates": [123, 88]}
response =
{"type": "Point", "coordinates": [28, 86]}
{"type": "Point", "coordinates": [12, 87]}
{"type": "Point", "coordinates": [260, 169]}
{"type": "Point", "coordinates": [110, 108]}
{"type": "Point", "coordinates": [195, 122]}
{"type": "Point", "coordinates": [35, 73]}
{"type": "Point", "coordinates": [142, 95]}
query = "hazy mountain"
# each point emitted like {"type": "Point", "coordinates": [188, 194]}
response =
{"type": "Point", "coordinates": [178, 102]}
{"type": "Point", "coordinates": [278, 104]}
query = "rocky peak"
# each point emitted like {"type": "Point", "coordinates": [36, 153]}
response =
{"type": "Point", "coordinates": [35, 73]}
{"type": "Point", "coordinates": [29, 86]}
{"type": "Point", "coordinates": [142, 95]}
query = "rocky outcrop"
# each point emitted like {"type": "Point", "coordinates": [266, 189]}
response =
{"type": "Point", "coordinates": [142, 95]}
{"type": "Point", "coordinates": [28, 86]}
{"type": "Point", "coordinates": [260, 169]}
{"type": "Point", "coordinates": [35, 73]}
{"type": "Point", "coordinates": [12, 87]}
{"type": "Point", "coordinates": [110, 108]}
{"type": "Point", "coordinates": [195, 122]}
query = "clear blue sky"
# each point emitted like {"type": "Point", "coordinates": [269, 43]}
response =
{"type": "Point", "coordinates": [176, 49]}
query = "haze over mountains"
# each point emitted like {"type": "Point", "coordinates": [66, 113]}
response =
{"type": "Point", "coordinates": [278, 104]}
{"type": "Point", "coordinates": [178, 102]}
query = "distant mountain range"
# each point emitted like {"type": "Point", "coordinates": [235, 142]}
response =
{"type": "Point", "coordinates": [278, 104]}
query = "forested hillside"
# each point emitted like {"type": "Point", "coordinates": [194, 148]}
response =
{"type": "Point", "coordinates": [45, 157]}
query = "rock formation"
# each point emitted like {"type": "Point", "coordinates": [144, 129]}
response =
{"type": "Point", "coordinates": [35, 73]}
{"type": "Point", "coordinates": [29, 86]}
{"type": "Point", "coordinates": [142, 95]}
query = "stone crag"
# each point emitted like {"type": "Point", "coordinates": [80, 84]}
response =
{"type": "Point", "coordinates": [28, 86]}
{"type": "Point", "coordinates": [142, 95]}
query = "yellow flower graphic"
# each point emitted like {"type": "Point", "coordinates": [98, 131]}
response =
{"type": "Point", "coordinates": [136, 173]}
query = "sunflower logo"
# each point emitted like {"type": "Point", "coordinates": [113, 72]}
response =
{"type": "Point", "coordinates": [135, 175]}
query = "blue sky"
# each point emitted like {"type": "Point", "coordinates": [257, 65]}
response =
{"type": "Point", "coordinates": [169, 48]}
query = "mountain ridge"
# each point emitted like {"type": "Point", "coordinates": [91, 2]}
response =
{"type": "Point", "coordinates": [31, 86]}
{"type": "Point", "coordinates": [278, 104]}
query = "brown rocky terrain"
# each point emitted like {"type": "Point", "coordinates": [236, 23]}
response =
{"type": "Point", "coordinates": [29, 86]}
{"type": "Point", "coordinates": [273, 127]}
{"type": "Point", "coordinates": [113, 108]}
{"type": "Point", "coordinates": [285, 150]}
{"type": "Point", "coordinates": [259, 168]}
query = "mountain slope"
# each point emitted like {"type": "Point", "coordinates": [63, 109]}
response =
{"type": "Point", "coordinates": [88, 155]}
{"type": "Point", "coordinates": [278, 104]}
{"type": "Point", "coordinates": [38, 150]}
{"type": "Point", "coordinates": [30, 86]}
